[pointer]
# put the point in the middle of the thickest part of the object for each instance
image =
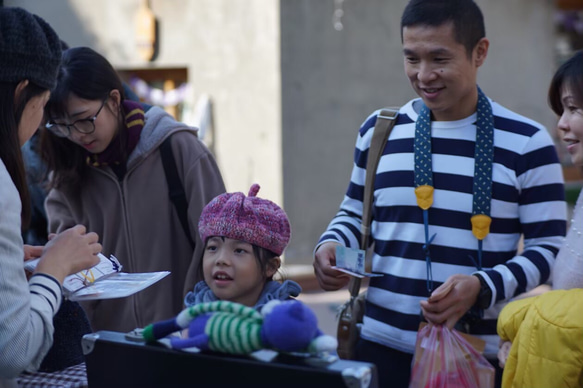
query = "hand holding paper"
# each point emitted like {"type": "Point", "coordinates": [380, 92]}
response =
{"type": "Point", "coordinates": [328, 277]}
{"type": "Point", "coordinates": [70, 251]}
{"type": "Point", "coordinates": [351, 261]}
{"type": "Point", "coordinates": [83, 278]}
{"type": "Point", "coordinates": [32, 251]}
{"type": "Point", "coordinates": [104, 281]}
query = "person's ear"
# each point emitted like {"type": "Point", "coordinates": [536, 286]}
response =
{"type": "Point", "coordinates": [20, 88]}
{"type": "Point", "coordinates": [272, 266]}
{"type": "Point", "coordinates": [481, 51]}
{"type": "Point", "coordinates": [115, 100]}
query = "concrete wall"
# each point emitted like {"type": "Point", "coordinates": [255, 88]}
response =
{"type": "Point", "coordinates": [290, 91]}
{"type": "Point", "coordinates": [332, 80]}
{"type": "Point", "coordinates": [521, 60]}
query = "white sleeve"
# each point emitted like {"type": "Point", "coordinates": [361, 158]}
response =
{"type": "Point", "coordinates": [568, 269]}
{"type": "Point", "coordinates": [26, 308]}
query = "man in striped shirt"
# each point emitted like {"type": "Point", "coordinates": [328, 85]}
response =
{"type": "Point", "coordinates": [481, 161]}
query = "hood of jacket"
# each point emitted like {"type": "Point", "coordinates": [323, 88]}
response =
{"type": "Point", "coordinates": [546, 332]}
{"type": "Point", "coordinates": [158, 125]}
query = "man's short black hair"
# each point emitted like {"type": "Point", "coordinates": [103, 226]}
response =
{"type": "Point", "coordinates": [466, 16]}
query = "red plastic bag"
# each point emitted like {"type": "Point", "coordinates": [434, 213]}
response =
{"type": "Point", "coordinates": [444, 359]}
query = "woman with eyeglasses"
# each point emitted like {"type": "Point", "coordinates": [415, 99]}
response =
{"type": "Point", "coordinates": [107, 173]}
{"type": "Point", "coordinates": [29, 58]}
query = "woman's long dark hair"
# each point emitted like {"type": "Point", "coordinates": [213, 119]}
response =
{"type": "Point", "coordinates": [10, 115]}
{"type": "Point", "coordinates": [87, 75]}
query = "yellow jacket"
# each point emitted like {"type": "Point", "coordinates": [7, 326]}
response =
{"type": "Point", "coordinates": [546, 332]}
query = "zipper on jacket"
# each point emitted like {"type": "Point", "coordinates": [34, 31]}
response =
{"type": "Point", "coordinates": [126, 231]}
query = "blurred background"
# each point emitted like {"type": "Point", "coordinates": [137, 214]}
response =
{"type": "Point", "coordinates": [280, 88]}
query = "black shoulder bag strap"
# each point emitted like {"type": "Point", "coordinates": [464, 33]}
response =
{"type": "Point", "coordinates": [382, 129]}
{"type": "Point", "coordinates": [175, 188]}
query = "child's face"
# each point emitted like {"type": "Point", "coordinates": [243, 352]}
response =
{"type": "Point", "coordinates": [571, 125]}
{"type": "Point", "coordinates": [232, 271]}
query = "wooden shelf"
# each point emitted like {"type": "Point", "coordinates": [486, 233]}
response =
{"type": "Point", "coordinates": [569, 4]}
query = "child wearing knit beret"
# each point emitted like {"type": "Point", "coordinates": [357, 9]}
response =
{"type": "Point", "coordinates": [244, 237]}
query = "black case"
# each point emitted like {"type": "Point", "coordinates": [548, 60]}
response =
{"type": "Point", "coordinates": [123, 360]}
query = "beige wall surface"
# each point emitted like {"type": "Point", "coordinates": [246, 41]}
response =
{"type": "Point", "coordinates": [289, 91]}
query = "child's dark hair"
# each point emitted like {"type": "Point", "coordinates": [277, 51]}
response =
{"type": "Point", "coordinates": [264, 257]}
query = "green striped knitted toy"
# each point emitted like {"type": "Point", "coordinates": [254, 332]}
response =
{"type": "Point", "coordinates": [233, 328]}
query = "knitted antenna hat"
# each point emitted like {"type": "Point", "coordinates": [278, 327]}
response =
{"type": "Point", "coordinates": [29, 48]}
{"type": "Point", "coordinates": [251, 219]}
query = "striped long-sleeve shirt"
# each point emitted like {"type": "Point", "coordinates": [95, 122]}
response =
{"type": "Point", "coordinates": [527, 200]}
{"type": "Point", "coordinates": [26, 310]}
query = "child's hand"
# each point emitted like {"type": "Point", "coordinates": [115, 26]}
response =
{"type": "Point", "coordinates": [503, 352]}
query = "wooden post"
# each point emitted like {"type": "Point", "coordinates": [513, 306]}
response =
{"type": "Point", "coordinates": [146, 31]}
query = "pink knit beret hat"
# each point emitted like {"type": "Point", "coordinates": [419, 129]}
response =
{"type": "Point", "coordinates": [251, 219]}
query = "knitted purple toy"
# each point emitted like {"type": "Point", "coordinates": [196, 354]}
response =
{"type": "Point", "coordinates": [228, 327]}
{"type": "Point", "coordinates": [251, 219]}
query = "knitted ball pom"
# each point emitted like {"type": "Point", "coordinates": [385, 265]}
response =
{"type": "Point", "coordinates": [251, 219]}
{"type": "Point", "coordinates": [29, 48]}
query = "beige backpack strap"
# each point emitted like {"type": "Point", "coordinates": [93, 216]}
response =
{"type": "Point", "coordinates": [382, 129]}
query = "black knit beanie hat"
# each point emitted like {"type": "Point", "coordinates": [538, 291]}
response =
{"type": "Point", "coordinates": [29, 48]}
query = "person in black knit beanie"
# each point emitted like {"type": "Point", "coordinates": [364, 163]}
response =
{"type": "Point", "coordinates": [29, 48]}
{"type": "Point", "coordinates": [26, 41]}
{"type": "Point", "coordinates": [30, 53]}
{"type": "Point", "coordinates": [70, 322]}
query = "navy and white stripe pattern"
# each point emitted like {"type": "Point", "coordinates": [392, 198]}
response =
{"type": "Point", "coordinates": [47, 289]}
{"type": "Point", "coordinates": [527, 198]}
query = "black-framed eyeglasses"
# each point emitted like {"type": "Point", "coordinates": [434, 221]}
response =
{"type": "Point", "coordinates": [85, 126]}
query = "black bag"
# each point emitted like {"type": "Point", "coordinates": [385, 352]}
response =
{"type": "Point", "coordinates": [71, 324]}
{"type": "Point", "coordinates": [116, 359]}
